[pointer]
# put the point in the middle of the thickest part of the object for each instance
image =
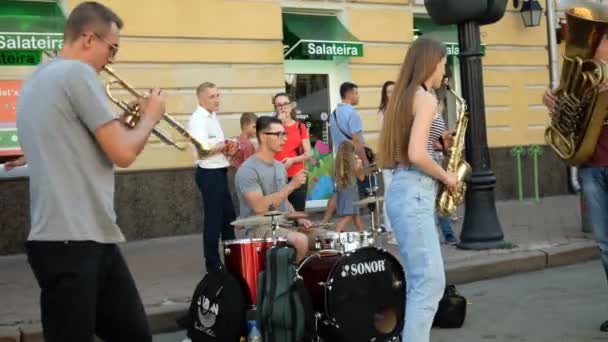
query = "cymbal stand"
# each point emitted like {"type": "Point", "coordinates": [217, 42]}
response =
{"type": "Point", "coordinates": [274, 225]}
{"type": "Point", "coordinates": [372, 190]}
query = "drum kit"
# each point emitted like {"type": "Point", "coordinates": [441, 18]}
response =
{"type": "Point", "coordinates": [357, 288]}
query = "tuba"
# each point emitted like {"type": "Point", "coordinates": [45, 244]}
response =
{"type": "Point", "coordinates": [581, 109]}
{"type": "Point", "coordinates": [448, 201]}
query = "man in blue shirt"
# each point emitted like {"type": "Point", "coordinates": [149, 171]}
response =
{"type": "Point", "coordinates": [345, 124]}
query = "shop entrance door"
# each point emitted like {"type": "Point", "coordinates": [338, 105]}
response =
{"type": "Point", "coordinates": [311, 93]}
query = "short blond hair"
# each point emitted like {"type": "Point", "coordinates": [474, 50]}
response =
{"type": "Point", "coordinates": [203, 86]}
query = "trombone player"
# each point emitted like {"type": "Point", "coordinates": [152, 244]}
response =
{"type": "Point", "coordinates": [594, 170]}
{"type": "Point", "coordinates": [72, 139]}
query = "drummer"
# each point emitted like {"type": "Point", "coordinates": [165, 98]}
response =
{"type": "Point", "coordinates": [261, 186]}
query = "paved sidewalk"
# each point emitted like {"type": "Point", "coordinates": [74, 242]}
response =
{"type": "Point", "coordinates": [166, 270]}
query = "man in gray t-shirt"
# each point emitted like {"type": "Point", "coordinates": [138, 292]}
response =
{"type": "Point", "coordinates": [261, 186]}
{"type": "Point", "coordinates": [71, 140]}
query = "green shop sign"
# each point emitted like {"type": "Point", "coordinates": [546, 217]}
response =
{"type": "Point", "coordinates": [28, 27]}
{"type": "Point", "coordinates": [314, 49]}
{"type": "Point", "coordinates": [30, 41]}
{"type": "Point", "coordinates": [317, 37]}
{"type": "Point", "coordinates": [16, 57]}
{"type": "Point", "coordinates": [453, 49]}
{"type": "Point", "coordinates": [8, 140]}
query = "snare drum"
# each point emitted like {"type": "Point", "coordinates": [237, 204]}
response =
{"type": "Point", "coordinates": [345, 241]}
{"type": "Point", "coordinates": [246, 258]}
{"type": "Point", "coordinates": [360, 295]}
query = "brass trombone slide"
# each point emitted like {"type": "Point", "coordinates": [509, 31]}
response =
{"type": "Point", "coordinates": [132, 115]}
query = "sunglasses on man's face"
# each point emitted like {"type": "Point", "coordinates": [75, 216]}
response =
{"type": "Point", "coordinates": [113, 47]}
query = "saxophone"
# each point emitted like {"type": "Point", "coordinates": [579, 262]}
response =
{"type": "Point", "coordinates": [581, 109]}
{"type": "Point", "coordinates": [448, 201]}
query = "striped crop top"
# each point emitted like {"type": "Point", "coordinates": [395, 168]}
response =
{"type": "Point", "coordinates": [437, 129]}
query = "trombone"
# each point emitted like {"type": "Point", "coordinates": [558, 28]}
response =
{"type": "Point", "coordinates": [132, 114]}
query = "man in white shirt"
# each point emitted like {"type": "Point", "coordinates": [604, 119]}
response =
{"type": "Point", "coordinates": [211, 176]}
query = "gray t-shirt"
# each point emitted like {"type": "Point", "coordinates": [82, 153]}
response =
{"type": "Point", "coordinates": [258, 175]}
{"type": "Point", "coordinates": [71, 179]}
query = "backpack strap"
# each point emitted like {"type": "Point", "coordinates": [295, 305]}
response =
{"type": "Point", "coordinates": [292, 307]}
{"type": "Point", "coordinates": [338, 125]}
{"type": "Point", "coordinates": [271, 294]}
{"type": "Point", "coordinates": [260, 301]}
{"type": "Point", "coordinates": [309, 320]}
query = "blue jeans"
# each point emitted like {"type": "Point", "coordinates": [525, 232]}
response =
{"type": "Point", "coordinates": [445, 225]}
{"type": "Point", "coordinates": [387, 176]}
{"type": "Point", "coordinates": [595, 190]}
{"type": "Point", "coordinates": [410, 203]}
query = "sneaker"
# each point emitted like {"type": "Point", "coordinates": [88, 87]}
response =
{"type": "Point", "coordinates": [383, 228]}
{"type": "Point", "coordinates": [604, 326]}
{"type": "Point", "coordinates": [451, 239]}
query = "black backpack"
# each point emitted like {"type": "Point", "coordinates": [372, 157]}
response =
{"type": "Point", "coordinates": [284, 310]}
{"type": "Point", "coordinates": [218, 307]}
{"type": "Point", "coordinates": [452, 309]}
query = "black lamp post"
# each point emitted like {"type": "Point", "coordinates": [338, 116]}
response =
{"type": "Point", "coordinates": [531, 13]}
{"type": "Point", "coordinates": [481, 228]}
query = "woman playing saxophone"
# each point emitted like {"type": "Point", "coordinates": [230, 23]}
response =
{"type": "Point", "coordinates": [406, 146]}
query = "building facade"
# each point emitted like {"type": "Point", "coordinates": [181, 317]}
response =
{"type": "Point", "coordinates": [252, 49]}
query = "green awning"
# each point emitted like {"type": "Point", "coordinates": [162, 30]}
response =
{"type": "Point", "coordinates": [28, 27]}
{"type": "Point", "coordinates": [448, 34]}
{"type": "Point", "coordinates": [317, 37]}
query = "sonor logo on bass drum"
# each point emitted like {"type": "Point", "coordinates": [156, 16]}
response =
{"type": "Point", "coordinates": [361, 268]}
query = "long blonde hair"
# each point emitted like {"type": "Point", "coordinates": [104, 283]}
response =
{"type": "Point", "coordinates": [420, 62]}
{"type": "Point", "coordinates": [345, 165]}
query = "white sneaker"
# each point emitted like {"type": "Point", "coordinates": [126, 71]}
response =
{"type": "Point", "coordinates": [186, 340]}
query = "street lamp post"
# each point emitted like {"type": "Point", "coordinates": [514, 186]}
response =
{"type": "Point", "coordinates": [481, 228]}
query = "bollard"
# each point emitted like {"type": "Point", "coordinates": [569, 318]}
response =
{"type": "Point", "coordinates": [518, 152]}
{"type": "Point", "coordinates": [535, 151]}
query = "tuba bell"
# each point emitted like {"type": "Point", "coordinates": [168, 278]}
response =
{"type": "Point", "coordinates": [581, 109]}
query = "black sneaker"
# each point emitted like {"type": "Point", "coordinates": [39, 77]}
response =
{"type": "Point", "coordinates": [451, 239]}
{"type": "Point", "coordinates": [604, 326]}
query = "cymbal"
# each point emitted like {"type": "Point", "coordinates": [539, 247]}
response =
{"type": "Point", "coordinates": [323, 225]}
{"type": "Point", "coordinates": [370, 168]}
{"type": "Point", "coordinates": [274, 213]}
{"type": "Point", "coordinates": [258, 220]}
{"type": "Point", "coordinates": [296, 215]}
{"type": "Point", "coordinates": [368, 200]}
